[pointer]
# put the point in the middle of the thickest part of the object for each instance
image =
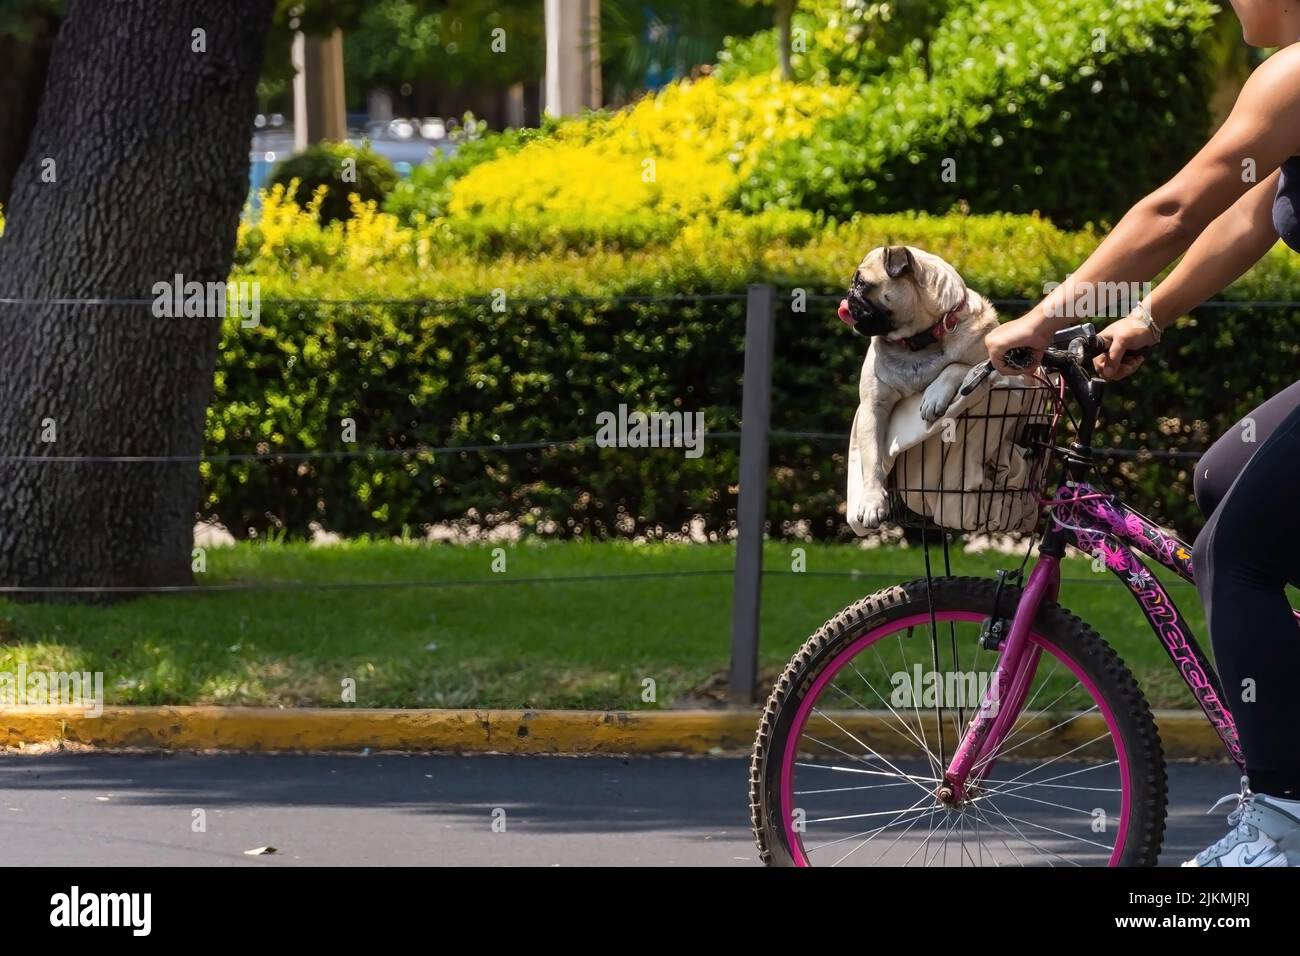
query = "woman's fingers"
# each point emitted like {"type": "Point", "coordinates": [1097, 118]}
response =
{"type": "Point", "coordinates": [1126, 368]}
{"type": "Point", "coordinates": [1115, 356]}
{"type": "Point", "coordinates": [1112, 365]}
{"type": "Point", "coordinates": [1016, 341]}
{"type": "Point", "coordinates": [1107, 364]}
{"type": "Point", "coordinates": [1122, 336]}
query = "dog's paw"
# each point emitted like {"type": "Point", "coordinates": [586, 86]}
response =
{"type": "Point", "coordinates": [874, 509]}
{"type": "Point", "coordinates": [936, 400]}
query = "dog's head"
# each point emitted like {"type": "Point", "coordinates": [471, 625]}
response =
{"type": "Point", "coordinates": [900, 291]}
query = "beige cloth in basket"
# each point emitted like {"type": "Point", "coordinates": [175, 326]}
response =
{"type": "Point", "coordinates": [993, 471]}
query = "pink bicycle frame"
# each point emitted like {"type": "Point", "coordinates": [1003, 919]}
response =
{"type": "Point", "coordinates": [1100, 526]}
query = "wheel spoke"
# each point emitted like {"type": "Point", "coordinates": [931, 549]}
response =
{"type": "Point", "coordinates": [1060, 833]}
{"type": "Point", "coordinates": [907, 732]}
{"type": "Point", "coordinates": [916, 706]}
{"type": "Point", "coordinates": [1040, 850]}
{"type": "Point", "coordinates": [915, 821]}
{"type": "Point", "coordinates": [1047, 761]}
{"type": "Point", "coordinates": [1062, 776]}
{"type": "Point", "coordinates": [871, 786]}
{"type": "Point", "coordinates": [999, 754]}
{"type": "Point", "coordinates": [916, 807]}
{"type": "Point", "coordinates": [876, 773]}
{"type": "Point", "coordinates": [865, 746]}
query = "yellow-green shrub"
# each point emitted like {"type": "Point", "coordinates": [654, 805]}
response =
{"type": "Point", "coordinates": [677, 153]}
{"type": "Point", "coordinates": [1004, 105]}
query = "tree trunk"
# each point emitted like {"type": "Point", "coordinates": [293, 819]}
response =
{"type": "Point", "coordinates": [784, 18]}
{"type": "Point", "coordinates": [149, 141]}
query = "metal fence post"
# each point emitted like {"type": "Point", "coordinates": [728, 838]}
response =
{"type": "Point", "coordinates": [751, 508]}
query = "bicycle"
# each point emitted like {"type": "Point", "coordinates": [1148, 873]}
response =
{"type": "Point", "coordinates": [843, 773]}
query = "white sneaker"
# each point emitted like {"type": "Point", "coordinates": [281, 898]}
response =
{"type": "Point", "coordinates": [1265, 832]}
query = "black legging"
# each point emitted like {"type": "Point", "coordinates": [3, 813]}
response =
{"type": "Point", "coordinates": [1245, 555]}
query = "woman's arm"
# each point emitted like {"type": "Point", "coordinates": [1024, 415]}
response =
{"type": "Point", "coordinates": [1260, 134]}
{"type": "Point", "coordinates": [1221, 254]}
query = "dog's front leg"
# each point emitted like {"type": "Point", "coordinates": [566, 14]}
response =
{"type": "Point", "coordinates": [940, 393]}
{"type": "Point", "coordinates": [872, 433]}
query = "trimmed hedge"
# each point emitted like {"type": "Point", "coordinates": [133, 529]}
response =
{"type": "Point", "coordinates": [457, 372]}
{"type": "Point", "coordinates": [1020, 112]}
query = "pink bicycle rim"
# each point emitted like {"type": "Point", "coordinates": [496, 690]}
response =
{"type": "Point", "coordinates": [866, 640]}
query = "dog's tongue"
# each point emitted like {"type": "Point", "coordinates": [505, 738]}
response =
{"type": "Point", "coordinates": [845, 315]}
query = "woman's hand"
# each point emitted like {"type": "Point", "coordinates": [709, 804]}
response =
{"type": "Point", "coordinates": [1024, 332]}
{"type": "Point", "coordinates": [1126, 335]}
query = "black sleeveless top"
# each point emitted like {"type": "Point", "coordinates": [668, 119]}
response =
{"type": "Point", "coordinates": [1286, 206]}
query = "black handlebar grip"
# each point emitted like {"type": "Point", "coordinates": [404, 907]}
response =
{"type": "Point", "coordinates": [1018, 358]}
{"type": "Point", "coordinates": [1104, 342]}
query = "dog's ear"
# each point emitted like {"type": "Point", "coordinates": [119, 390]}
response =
{"type": "Point", "coordinates": [898, 261]}
{"type": "Point", "coordinates": [940, 284]}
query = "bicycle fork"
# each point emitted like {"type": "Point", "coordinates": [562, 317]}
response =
{"type": "Point", "coordinates": [1005, 697]}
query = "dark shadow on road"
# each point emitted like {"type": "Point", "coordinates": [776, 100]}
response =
{"type": "Point", "coordinates": [693, 797]}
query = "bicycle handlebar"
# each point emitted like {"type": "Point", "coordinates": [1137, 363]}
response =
{"type": "Point", "coordinates": [1070, 348]}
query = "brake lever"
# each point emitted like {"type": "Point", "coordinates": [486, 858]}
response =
{"type": "Point", "coordinates": [975, 377]}
{"type": "Point", "coordinates": [1017, 358]}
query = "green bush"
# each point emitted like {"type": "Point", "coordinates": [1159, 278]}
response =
{"type": "Point", "coordinates": [1074, 115]}
{"type": "Point", "coordinates": [451, 370]}
{"type": "Point", "coordinates": [841, 42]}
{"type": "Point", "coordinates": [322, 165]}
{"type": "Point", "coordinates": [1073, 110]}
{"type": "Point", "coordinates": [426, 192]}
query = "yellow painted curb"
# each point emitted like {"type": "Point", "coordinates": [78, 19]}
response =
{"type": "Point", "coordinates": [1185, 734]}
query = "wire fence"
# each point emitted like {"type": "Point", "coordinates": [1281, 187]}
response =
{"type": "Point", "coordinates": [429, 450]}
{"type": "Point", "coordinates": [496, 301]}
{"type": "Point", "coordinates": [230, 587]}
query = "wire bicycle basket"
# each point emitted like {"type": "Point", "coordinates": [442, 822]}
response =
{"type": "Point", "coordinates": [983, 468]}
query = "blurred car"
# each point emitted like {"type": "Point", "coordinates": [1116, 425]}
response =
{"type": "Point", "coordinates": [403, 142]}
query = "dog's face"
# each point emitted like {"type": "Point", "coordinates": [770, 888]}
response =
{"type": "Point", "coordinates": [899, 291]}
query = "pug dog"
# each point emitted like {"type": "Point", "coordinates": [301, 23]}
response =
{"type": "Point", "coordinates": [927, 331]}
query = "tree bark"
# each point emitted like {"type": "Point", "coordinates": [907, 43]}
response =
{"type": "Point", "coordinates": [149, 141]}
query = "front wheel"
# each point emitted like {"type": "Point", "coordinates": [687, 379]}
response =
{"type": "Point", "coordinates": [855, 738]}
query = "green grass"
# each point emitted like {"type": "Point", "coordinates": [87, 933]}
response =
{"type": "Point", "coordinates": [508, 641]}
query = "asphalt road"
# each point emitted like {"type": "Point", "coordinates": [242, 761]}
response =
{"type": "Point", "coordinates": [106, 809]}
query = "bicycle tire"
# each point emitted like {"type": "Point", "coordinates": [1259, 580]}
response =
{"type": "Point", "coordinates": [1069, 634]}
